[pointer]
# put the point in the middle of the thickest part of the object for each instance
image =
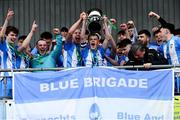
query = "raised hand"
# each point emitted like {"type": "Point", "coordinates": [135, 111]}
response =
{"type": "Point", "coordinates": [113, 21]}
{"type": "Point", "coordinates": [83, 16]}
{"type": "Point", "coordinates": [153, 14]}
{"type": "Point", "coordinates": [34, 26]}
{"type": "Point", "coordinates": [10, 14]}
{"type": "Point", "coordinates": [28, 38]}
{"type": "Point", "coordinates": [154, 29]}
{"type": "Point", "coordinates": [130, 22]}
{"type": "Point", "coordinates": [105, 19]}
{"type": "Point", "coordinates": [123, 26]}
{"type": "Point", "coordinates": [56, 31]}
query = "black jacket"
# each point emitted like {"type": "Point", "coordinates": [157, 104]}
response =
{"type": "Point", "coordinates": [151, 56]}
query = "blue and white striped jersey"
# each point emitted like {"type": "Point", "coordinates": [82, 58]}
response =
{"type": "Point", "coordinates": [94, 57]}
{"type": "Point", "coordinates": [72, 55]}
{"type": "Point", "coordinates": [9, 58]}
{"type": "Point", "coordinates": [171, 50]}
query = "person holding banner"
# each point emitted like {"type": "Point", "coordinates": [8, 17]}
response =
{"type": "Point", "coordinates": [12, 56]}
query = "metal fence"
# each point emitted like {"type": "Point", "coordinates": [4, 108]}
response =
{"type": "Point", "coordinates": [135, 67]}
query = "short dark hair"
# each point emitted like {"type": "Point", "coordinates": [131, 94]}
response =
{"type": "Point", "coordinates": [124, 43]}
{"type": "Point", "coordinates": [46, 35]}
{"type": "Point", "coordinates": [40, 39]}
{"type": "Point", "coordinates": [64, 29]}
{"type": "Point", "coordinates": [11, 29]}
{"type": "Point", "coordinates": [121, 32]}
{"type": "Point", "coordinates": [169, 26]}
{"type": "Point", "coordinates": [22, 37]}
{"type": "Point", "coordinates": [95, 34]}
{"type": "Point", "coordinates": [156, 32]}
{"type": "Point", "coordinates": [144, 31]}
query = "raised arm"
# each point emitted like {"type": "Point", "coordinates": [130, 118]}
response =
{"type": "Point", "coordinates": [124, 27]}
{"type": "Point", "coordinates": [74, 27]}
{"type": "Point", "coordinates": [158, 17]}
{"type": "Point", "coordinates": [112, 61]}
{"type": "Point", "coordinates": [108, 36]}
{"type": "Point", "coordinates": [84, 27]}
{"type": "Point", "coordinates": [29, 37]}
{"type": "Point", "coordinates": [111, 23]}
{"type": "Point", "coordinates": [9, 16]}
{"type": "Point", "coordinates": [135, 33]}
{"type": "Point", "coordinates": [58, 47]}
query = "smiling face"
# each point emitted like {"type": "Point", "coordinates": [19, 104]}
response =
{"type": "Point", "coordinates": [93, 41]}
{"type": "Point", "coordinates": [76, 36]}
{"type": "Point", "coordinates": [42, 46]}
{"type": "Point", "coordinates": [11, 37]}
{"type": "Point", "coordinates": [11, 34]}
